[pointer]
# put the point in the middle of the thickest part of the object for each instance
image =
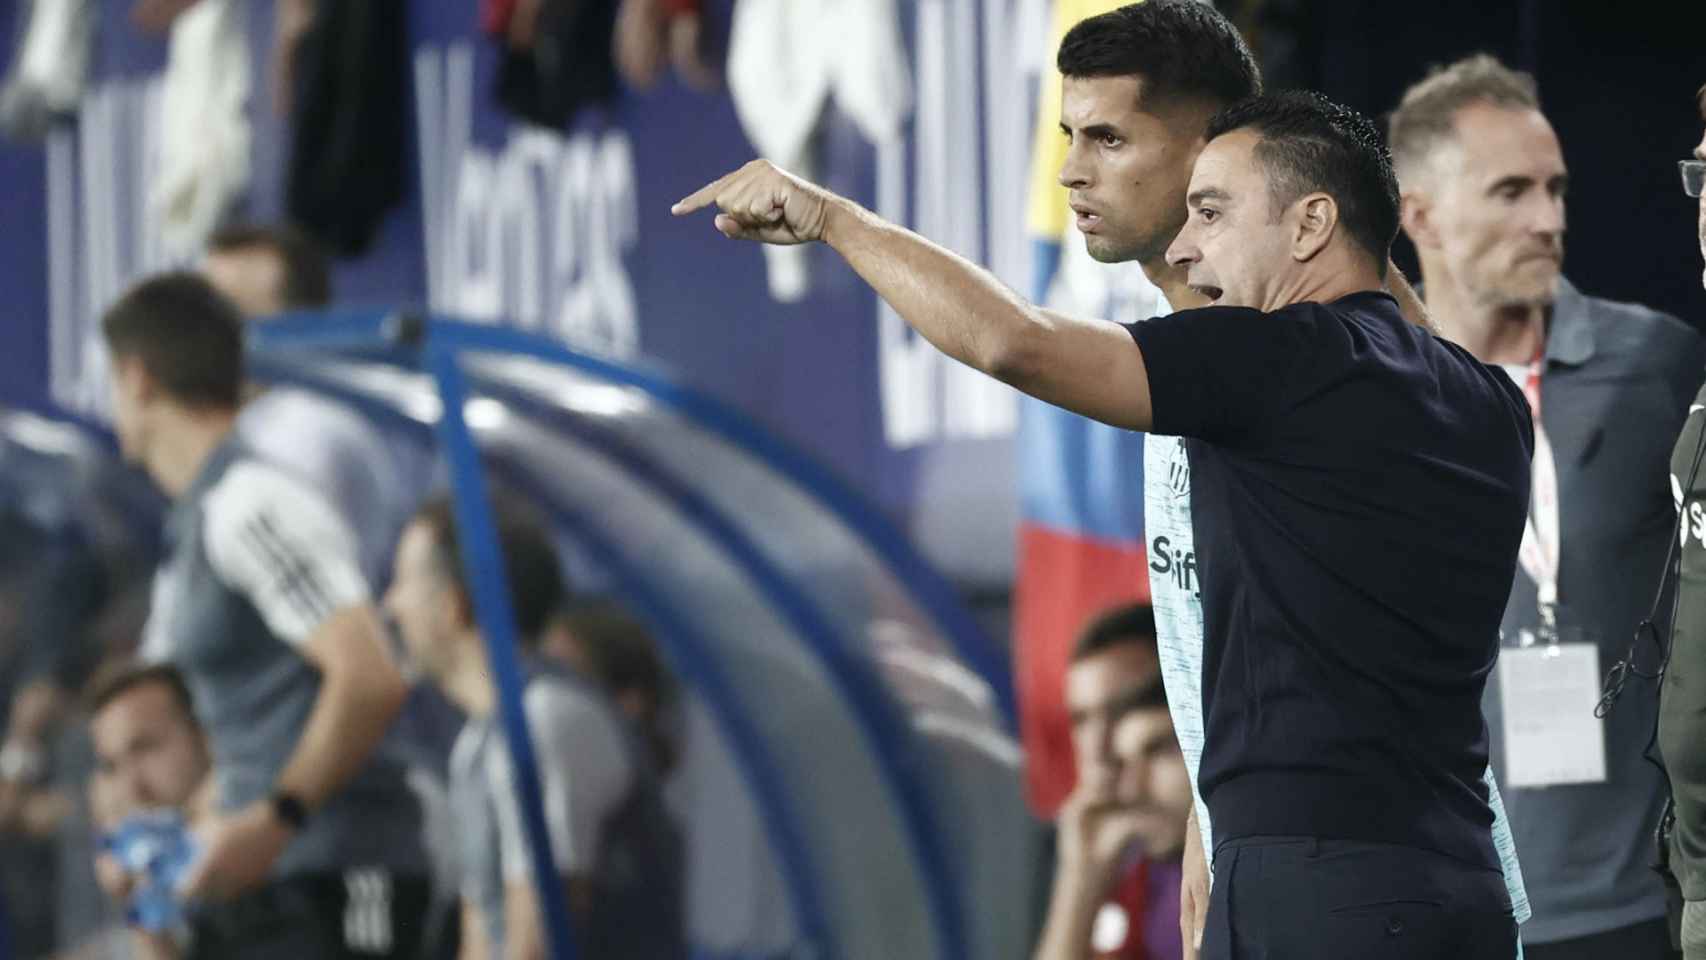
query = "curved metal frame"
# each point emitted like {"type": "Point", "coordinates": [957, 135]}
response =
{"type": "Point", "coordinates": [684, 643]}
{"type": "Point", "coordinates": [873, 712]}
{"type": "Point", "coordinates": [357, 331]}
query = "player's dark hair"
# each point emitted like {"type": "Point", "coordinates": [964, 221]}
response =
{"type": "Point", "coordinates": [623, 660]}
{"type": "Point", "coordinates": [1131, 623]}
{"type": "Point", "coordinates": [1310, 144]}
{"type": "Point", "coordinates": [536, 584]}
{"type": "Point", "coordinates": [187, 335]}
{"type": "Point", "coordinates": [307, 281]}
{"type": "Point", "coordinates": [134, 677]}
{"type": "Point", "coordinates": [1181, 48]}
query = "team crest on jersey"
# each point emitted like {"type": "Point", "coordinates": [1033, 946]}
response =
{"type": "Point", "coordinates": [1179, 470]}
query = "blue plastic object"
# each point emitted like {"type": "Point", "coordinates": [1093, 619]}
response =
{"type": "Point", "coordinates": [157, 848]}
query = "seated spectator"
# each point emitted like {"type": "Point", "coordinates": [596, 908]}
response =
{"type": "Point", "coordinates": [268, 270]}
{"type": "Point", "coordinates": [606, 645]}
{"type": "Point", "coordinates": [150, 753]}
{"type": "Point", "coordinates": [1122, 830]}
{"type": "Point", "coordinates": [601, 799]}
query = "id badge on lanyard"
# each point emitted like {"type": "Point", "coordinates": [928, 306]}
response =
{"type": "Point", "coordinates": [1550, 680]}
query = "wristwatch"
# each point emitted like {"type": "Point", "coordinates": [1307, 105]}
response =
{"type": "Point", "coordinates": [289, 809]}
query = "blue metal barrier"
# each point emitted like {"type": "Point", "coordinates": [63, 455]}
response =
{"type": "Point", "coordinates": [483, 568]}
{"type": "Point", "coordinates": [395, 339]}
{"type": "Point", "coordinates": [690, 653]}
{"type": "Point", "coordinates": [353, 330]}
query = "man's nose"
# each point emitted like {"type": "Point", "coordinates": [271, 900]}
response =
{"type": "Point", "coordinates": [1547, 214]}
{"type": "Point", "coordinates": [1074, 172]}
{"type": "Point", "coordinates": [1183, 252]}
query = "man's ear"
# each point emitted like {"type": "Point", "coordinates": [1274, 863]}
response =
{"type": "Point", "coordinates": [1317, 221]}
{"type": "Point", "coordinates": [133, 378]}
{"type": "Point", "coordinates": [1416, 213]}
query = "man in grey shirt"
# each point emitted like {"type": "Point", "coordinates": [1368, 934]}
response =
{"type": "Point", "coordinates": [610, 838]}
{"type": "Point", "coordinates": [270, 270]}
{"type": "Point", "coordinates": [315, 846]}
{"type": "Point", "coordinates": [1483, 200]}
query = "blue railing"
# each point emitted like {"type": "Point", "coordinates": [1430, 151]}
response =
{"type": "Point", "coordinates": [435, 347]}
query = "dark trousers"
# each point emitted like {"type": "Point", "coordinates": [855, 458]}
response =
{"type": "Point", "coordinates": [1643, 941]}
{"type": "Point", "coordinates": [361, 913]}
{"type": "Point", "coordinates": [1301, 898]}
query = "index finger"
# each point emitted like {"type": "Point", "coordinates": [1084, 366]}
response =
{"type": "Point", "coordinates": [703, 197]}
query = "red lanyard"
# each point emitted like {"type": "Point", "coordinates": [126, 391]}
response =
{"type": "Point", "coordinates": [1540, 536]}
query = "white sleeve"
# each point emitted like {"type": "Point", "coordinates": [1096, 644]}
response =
{"type": "Point", "coordinates": [275, 540]}
{"type": "Point", "coordinates": [584, 774]}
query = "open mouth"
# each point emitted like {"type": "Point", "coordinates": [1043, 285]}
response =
{"type": "Point", "coordinates": [1212, 293]}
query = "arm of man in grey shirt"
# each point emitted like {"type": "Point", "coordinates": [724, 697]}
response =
{"type": "Point", "coordinates": [278, 542]}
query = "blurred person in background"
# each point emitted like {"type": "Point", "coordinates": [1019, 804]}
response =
{"type": "Point", "coordinates": [602, 642]}
{"type": "Point", "coordinates": [1484, 185]}
{"type": "Point", "coordinates": [1122, 830]}
{"type": "Point", "coordinates": [1682, 700]}
{"type": "Point", "coordinates": [368, 478]}
{"type": "Point", "coordinates": [150, 754]}
{"type": "Point", "coordinates": [267, 270]}
{"type": "Point", "coordinates": [314, 846]}
{"type": "Point", "coordinates": [610, 837]}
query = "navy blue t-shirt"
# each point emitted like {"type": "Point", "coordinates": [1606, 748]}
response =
{"type": "Point", "coordinates": [1358, 494]}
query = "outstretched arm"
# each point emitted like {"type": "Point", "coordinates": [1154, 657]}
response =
{"type": "Point", "coordinates": [1091, 367]}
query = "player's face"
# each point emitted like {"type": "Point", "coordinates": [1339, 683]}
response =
{"type": "Point", "coordinates": [1496, 198]}
{"type": "Point", "coordinates": [1126, 167]}
{"type": "Point", "coordinates": [1101, 690]}
{"type": "Point", "coordinates": [421, 599]}
{"type": "Point", "coordinates": [147, 753]}
{"type": "Point", "coordinates": [1235, 246]}
{"type": "Point", "coordinates": [253, 278]}
{"type": "Point", "coordinates": [1153, 780]}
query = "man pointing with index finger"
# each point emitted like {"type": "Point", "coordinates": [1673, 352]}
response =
{"type": "Point", "coordinates": [1357, 485]}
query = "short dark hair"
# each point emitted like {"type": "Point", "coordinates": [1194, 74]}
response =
{"type": "Point", "coordinates": [1182, 48]}
{"type": "Point", "coordinates": [622, 659]}
{"type": "Point", "coordinates": [130, 676]}
{"type": "Point", "coordinates": [536, 585]}
{"type": "Point", "coordinates": [307, 279]}
{"type": "Point", "coordinates": [1129, 623]}
{"type": "Point", "coordinates": [1310, 144]}
{"type": "Point", "coordinates": [619, 649]}
{"type": "Point", "coordinates": [187, 335]}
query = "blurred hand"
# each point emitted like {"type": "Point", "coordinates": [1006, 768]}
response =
{"type": "Point", "coordinates": [235, 853]}
{"type": "Point", "coordinates": [687, 52]}
{"type": "Point", "coordinates": [291, 20]}
{"type": "Point", "coordinates": [36, 710]}
{"type": "Point", "coordinates": [763, 202]}
{"type": "Point", "coordinates": [639, 42]}
{"type": "Point", "coordinates": [1193, 890]}
{"type": "Point", "coordinates": [116, 882]}
{"type": "Point", "coordinates": [524, 24]}
{"type": "Point", "coordinates": [157, 16]}
{"type": "Point", "coordinates": [1095, 832]}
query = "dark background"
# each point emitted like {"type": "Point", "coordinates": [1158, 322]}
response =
{"type": "Point", "coordinates": [1617, 79]}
